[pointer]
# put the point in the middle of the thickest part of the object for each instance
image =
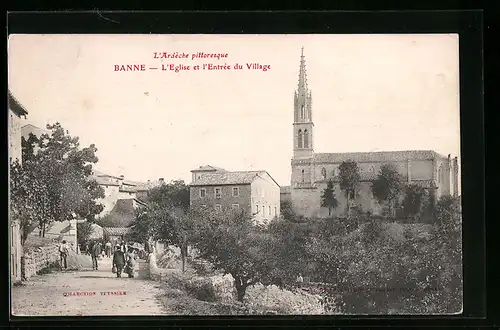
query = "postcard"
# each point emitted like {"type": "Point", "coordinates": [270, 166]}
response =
{"type": "Point", "coordinates": [308, 174]}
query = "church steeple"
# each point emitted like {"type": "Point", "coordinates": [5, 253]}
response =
{"type": "Point", "coordinates": [303, 125]}
{"type": "Point", "coordinates": [302, 88]}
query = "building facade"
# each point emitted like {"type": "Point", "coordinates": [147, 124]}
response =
{"type": "Point", "coordinates": [16, 114]}
{"type": "Point", "coordinates": [253, 192]}
{"type": "Point", "coordinates": [312, 171]}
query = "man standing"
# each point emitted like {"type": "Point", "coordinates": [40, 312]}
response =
{"type": "Point", "coordinates": [95, 253]}
{"type": "Point", "coordinates": [63, 252]}
{"type": "Point", "coordinates": [108, 249]}
{"type": "Point", "coordinates": [118, 261]}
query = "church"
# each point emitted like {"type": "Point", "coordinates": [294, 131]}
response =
{"type": "Point", "coordinates": [312, 171]}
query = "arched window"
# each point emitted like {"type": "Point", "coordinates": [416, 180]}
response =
{"type": "Point", "coordinates": [323, 173]}
{"type": "Point", "coordinates": [299, 137]}
{"type": "Point", "coordinates": [302, 113]}
{"type": "Point", "coordinates": [306, 139]}
{"type": "Point", "coordinates": [303, 176]}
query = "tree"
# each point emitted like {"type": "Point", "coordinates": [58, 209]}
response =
{"type": "Point", "coordinates": [52, 184]}
{"type": "Point", "coordinates": [328, 198]}
{"type": "Point", "coordinates": [233, 244]}
{"type": "Point", "coordinates": [166, 218]}
{"type": "Point", "coordinates": [349, 180]}
{"type": "Point", "coordinates": [387, 186]}
{"type": "Point", "coordinates": [413, 199]}
{"type": "Point", "coordinates": [84, 232]}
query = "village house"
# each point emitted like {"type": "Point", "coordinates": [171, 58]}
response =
{"type": "Point", "coordinates": [16, 114]}
{"type": "Point", "coordinates": [254, 192]}
{"type": "Point", "coordinates": [312, 171]}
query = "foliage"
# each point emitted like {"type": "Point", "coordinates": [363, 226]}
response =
{"type": "Point", "coordinates": [285, 236]}
{"type": "Point", "coordinates": [231, 243]}
{"type": "Point", "coordinates": [413, 200]}
{"type": "Point", "coordinates": [328, 198]}
{"type": "Point", "coordinates": [349, 180]}
{"type": "Point", "coordinates": [52, 183]}
{"type": "Point", "coordinates": [83, 231]}
{"type": "Point", "coordinates": [174, 195]}
{"type": "Point", "coordinates": [388, 185]}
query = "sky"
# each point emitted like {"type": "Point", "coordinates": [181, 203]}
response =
{"type": "Point", "coordinates": [369, 93]}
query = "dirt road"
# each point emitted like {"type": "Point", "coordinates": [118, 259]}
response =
{"type": "Point", "coordinates": [87, 292]}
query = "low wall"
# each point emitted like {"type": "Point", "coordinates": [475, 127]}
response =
{"type": "Point", "coordinates": [38, 259]}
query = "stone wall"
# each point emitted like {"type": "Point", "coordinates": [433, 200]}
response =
{"type": "Point", "coordinates": [38, 259]}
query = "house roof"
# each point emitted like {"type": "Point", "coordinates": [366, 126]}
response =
{"type": "Point", "coordinates": [16, 106]}
{"type": "Point", "coordinates": [208, 168]}
{"type": "Point", "coordinates": [130, 189]}
{"type": "Point", "coordinates": [225, 178]}
{"type": "Point", "coordinates": [116, 231]}
{"type": "Point", "coordinates": [379, 156]}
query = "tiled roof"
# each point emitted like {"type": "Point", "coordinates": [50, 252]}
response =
{"type": "Point", "coordinates": [15, 106]}
{"type": "Point", "coordinates": [380, 156]}
{"type": "Point", "coordinates": [240, 177]}
{"type": "Point", "coordinates": [130, 189]}
{"type": "Point", "coordinates": [208, 168]}
{"type": "Point", "coordinates": [285, 190]}
{"type": "Point", "coordinates": [118, 231]}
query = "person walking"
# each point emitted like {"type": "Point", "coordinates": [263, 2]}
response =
{"type": "Point", "coordinates": [108, 249]}
{"type": "Point", "coordinates": [130, 264]}
{"type": "Point", "coordinates": [63, 255]}
{"type": "Point", "coordinates": [95, 253]}
{"type": "Point", "coordinates": [118, 261]}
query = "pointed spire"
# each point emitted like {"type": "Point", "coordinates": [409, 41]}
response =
{"type": "Point", "coordinates": [302, 74]}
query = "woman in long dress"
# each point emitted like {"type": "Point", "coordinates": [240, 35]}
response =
{"type": "Point", "coordinates": [130, 264]}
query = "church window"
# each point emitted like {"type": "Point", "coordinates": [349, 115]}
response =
{"type": "Point", "coordinates": [303, 177]}
{"type": "Point", "coordinates": [263, 210]}
{"type": "Point", "coordinates": [257, 208]}
{"type": "Point", "coordinates": [323, 173]}
{"type": "Point", "coordinates": [302, 113]}
{"type": "Point", "coordinates": [306, 139]}
{"type": "Point", "coordinates": [300, 139]}
{"type": "Point", "coordinates": [269, 210]}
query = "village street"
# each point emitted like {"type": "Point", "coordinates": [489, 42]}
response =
{"type": "Point", "coordinates": [54, 294]}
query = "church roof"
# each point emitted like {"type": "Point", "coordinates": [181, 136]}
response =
{"type": "Point", "coordinates": [226, 178]}
{"type": "Point", "coordinates": [379, 156]}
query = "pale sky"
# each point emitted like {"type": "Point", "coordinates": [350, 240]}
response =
{"type": "Point", "coordinates": [369, 93]}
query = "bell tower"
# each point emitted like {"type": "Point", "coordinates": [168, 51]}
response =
{"type": "Point", "coordinates": [302, 122]}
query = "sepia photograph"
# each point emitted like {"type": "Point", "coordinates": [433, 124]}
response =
{"type": "Point", "coordinates": [212, 174]}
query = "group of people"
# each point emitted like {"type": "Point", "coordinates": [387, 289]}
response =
{"type": "Point", "coordinates": [124, 257]}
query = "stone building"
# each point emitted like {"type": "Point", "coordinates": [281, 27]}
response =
{"type": "Point", "coordinates": [16, 114]}
{"type": "Point", "coordinates": [254, 192]}
{"type": "Point", "coordinates": [312, 171]}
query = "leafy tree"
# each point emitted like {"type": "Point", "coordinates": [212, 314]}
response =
{"type": "Point", "coordinates": [387, 186]}
{"type": "Point", "coordinates": [174, 195]}
{"type": "Point", "coordinates": [52, 183]}
{"type": "Point", "coordinates": [234, 245]}
{"type": "Point", "coordinates": [174, 226]}
{"type": "Point", "coordinates": [288, 212]}
{"type": "Point", "coordinates": [328, 198]}
{"type": "Point", "coordinates": [166, 218]}
{"type": "Point", "coordinates": [285, 236]}
{"type": "Point", "coordinates": [412, 203]}
{"type": "Point", "coordinates": [84, 231]}
{"type": "Point", "coordinates": [349, 180]}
